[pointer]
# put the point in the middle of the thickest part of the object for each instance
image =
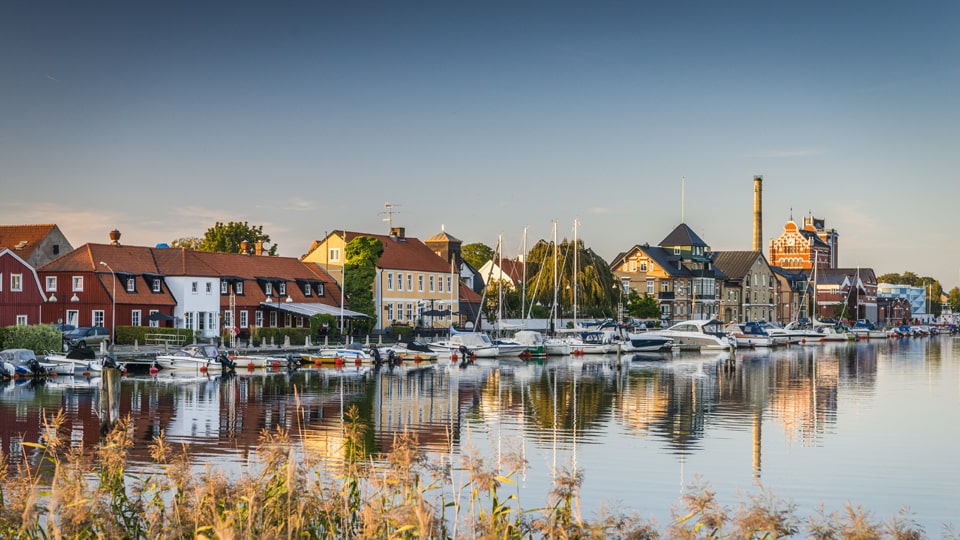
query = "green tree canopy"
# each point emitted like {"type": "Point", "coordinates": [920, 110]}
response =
{"type": "Point", "coordinates": [191, 243]}
{"type": "Point", "coordinates": [598, 292]}
{"type": "Point", "coordinates": [228, 238]}
{"type": "Point", "coordinates": [476, 254]}
{"type": "Point", "coordinates": [362, 254]}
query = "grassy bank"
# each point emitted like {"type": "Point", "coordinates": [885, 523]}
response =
{"type": "Point", "coordinates": [87, 493]}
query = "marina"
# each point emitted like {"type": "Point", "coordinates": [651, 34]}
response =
{"type": "Point", "coordinates": [828, 423]}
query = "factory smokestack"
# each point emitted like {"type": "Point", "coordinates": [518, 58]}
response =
{"type": "Point", "coordinates": [757, 213]}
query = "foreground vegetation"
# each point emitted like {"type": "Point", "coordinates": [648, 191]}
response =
{"type": "Point", "coordinates": [285, 496]}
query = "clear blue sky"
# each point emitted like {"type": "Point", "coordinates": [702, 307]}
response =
{"type": "Point", "coordinates": [160, 118]}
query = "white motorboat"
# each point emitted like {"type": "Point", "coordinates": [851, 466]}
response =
{"type": "Point", "coordinates": [747, 336]}
{"type": "Point", "coordinates": [706, 334]}
{"type": "Point", "coordinates": [349, 355]}
{"type": "Point", "coordinates": [202, 357]}
{"type": "Point", "coordinates": [476, 344]}
{"type": "Point", "coordinates": [647, 342]}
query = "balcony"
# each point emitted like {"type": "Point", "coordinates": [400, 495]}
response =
{"type": "Point", "coordinates": [665, 295]}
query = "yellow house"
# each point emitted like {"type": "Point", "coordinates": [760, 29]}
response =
{"type": "Point", "coordinates": [413, 286]}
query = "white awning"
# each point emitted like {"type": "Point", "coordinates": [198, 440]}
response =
{"type": "Point", "coordinates": [309, 309]}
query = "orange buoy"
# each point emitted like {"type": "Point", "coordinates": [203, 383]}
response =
{"type": "Point", "coordinates": [86, 373]}
{"type": "Point", "coordinates": [356, 361]}
{"type": "Point", "coordinates": [338, 361]}
{"type": "Point", "coordinates": [203, 369]}
{"type": "Point", "coordinates": [153, 370]}
{"type": "Point", "coordinates": [276, 363]}
{"type": "Point", "coordinates": [473, 356]}
{"type": "Point", "coordinates": [453, 357]}
{"type": "Point", "coordinates": [251, 366]}
{"type": "Point", "coordinates": [53, 374]}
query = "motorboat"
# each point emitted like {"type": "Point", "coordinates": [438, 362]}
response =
{"type": "Point", "coordinates": [647, 342]}
{"type": "Point", "coordinates": [21, 363]}
{"type": "Point", "coordinates": [533, 343]}
{"type": "Point", "coordinates": [255, 361]}
{"type": "Point", "coordinates": [748, 336]}
{"type": "Point", "coordinates": [351, 354]}
{"type": "Point", "coordinates": [80, 361]}
{"type": "Point", "coordinates": [198, 356]}
{"type": "Point", "coordinates": [863, 330]}
{"type": "Point", "coordinates": [475, 344]}
{"type": "Point", "coordinates": [406, 351]}
{"type": "Point", "coordinates": [706, 334]}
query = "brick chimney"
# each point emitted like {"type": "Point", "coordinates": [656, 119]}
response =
{"type": "Point", "coordinates": [258, 250]}
{"type": "Point", "coordinates": [397, 233]}
{"type": "Point", "coordinates": [757, 213]}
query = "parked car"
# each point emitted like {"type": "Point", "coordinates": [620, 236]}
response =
{"type": "Point", "coordinates": [63, 327]}
{"type": "Point", "coordinates": [85, 336]}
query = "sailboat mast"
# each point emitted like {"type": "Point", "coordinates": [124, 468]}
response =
{"type": "Point", "coordinates": [555, 284]}
{"type": "Point", "coordinates": [523, 289]}
{"type": "Point", "coordinates": [576, 270]}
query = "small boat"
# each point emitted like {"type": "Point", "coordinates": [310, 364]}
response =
{"type": "Point", "coordinates": [747, 336]}
{"type": "Point", "coordinates": [202, 357]}
{"type": "Point", "coordinates": [255, 361]}
{"type": "Point", "coordinates": [647, 342]}
{"type": "Point", "coordinates": [475, 344]}
{"type": "Point", "coordinates": [352, 354]}
{"type": "Point", "coordinates": [80, 361]}
{"type": "Point", "coordinates": [707, 334]}
{"type": "Point", "coordinates": [22, 363]}
{"type": "Point", "coordinates": [533, 343]}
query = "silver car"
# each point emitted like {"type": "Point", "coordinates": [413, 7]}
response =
{"type": "Point", "coordinates": [85, 336]}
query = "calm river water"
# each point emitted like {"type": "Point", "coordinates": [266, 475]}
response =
{"type": "Point", "coordinates": [872, 423]}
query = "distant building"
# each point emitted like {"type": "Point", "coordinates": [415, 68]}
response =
{"type": "Point", "coordinates": [916, 298]}
{"type": "Point", "coordinates": [749, 290]}
{"type": "Point", "coordinates": [803, 248]}
{"type": "Point", "coordinates": [35, 244]}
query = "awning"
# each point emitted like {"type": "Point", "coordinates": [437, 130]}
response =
{"type": "Point", "coordinates": [309, 309]}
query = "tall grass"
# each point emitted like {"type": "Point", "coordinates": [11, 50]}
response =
{"type": "Point", "coordinates": [74, 493]}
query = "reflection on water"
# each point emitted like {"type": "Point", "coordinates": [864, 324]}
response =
{"type": "Point", "coordinates": [730, 417]}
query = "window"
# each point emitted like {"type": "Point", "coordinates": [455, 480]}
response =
{"type": "Point", "coordinates": [334, 255]}
{"type": "Point", "coordinates": [77, 283]}
{"type": "Point", "coordinates": [208, 287]}
{"type": "Point", "coordinates": [135, 317]}
{"type": "Point", "coordinates": [399, 281]}
{"type": "Point", "coordinates": [389, 281]}
{"type": "Point", "coordinates": [420, 282]}
{"type": "Point", "coordinates": [51, 283]}
{"type": "Point", "coordinates": [389, 312]}
{"type": "Point", "coordinates": [282, 289]}
{"type": "Point", "coordinates": [676, 251]}
{"type": "Point", "coordinates": [224, 287]}
{"type": "Point", "coordinates": [632, 266]}
{"type": "Point", "coordinates": [238, 287]}
{"type": "Point", "coordinates": [188, 319]}
{"type": "Point", "coordinates": [73, 317]}
{"type": "Point", "coordinates": [16, 282]}
{"type": "Point", "coordinates": [440, 284]}
{"type": "Point", "coordinates": [156, 285]}
{"type": "Point", "coordinates": [194, 287]}
{"type": "Point", "coordinates": [273, 319]}
{"type": "Point", "coordinates": [98, 317]}
{"type": "Point", "coordinates": [431, 284]}
{"type": "Point", "coordinates": [268, 289]}
{"type": "Point", "coordinates": [228, 319]}
{"type": "Point", "coordinates": [410, 282]}
{"type": "Point", "coordinates": [132, 285]}
{"type": "Point", "coordinates": [244, 319]}
{"type": "Point", "coordinates": [643, 266]}
{"type": "Point", "coordinates": [410, 311]}
{"type": "Point", "coordinates": [287, 320]}
{"type": "Point", "coordinates": [319, 289]}
{"type": "Point", "coordinates": [56, 249]}
{"type": "Point", "coordinates": [450, 283]}
{"type": "Point", "coordinates": [650, 287]}
{"type": "Point", "coordinates": [307, 289]}
{"type": "Point", "coordinates": [21, 320]}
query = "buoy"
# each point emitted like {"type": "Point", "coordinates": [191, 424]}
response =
{"type": "Point", "coordinates": [473, 356]}
{"type": "Point", "coordinates": [203, 369]}
{"type": "Point", "coordinates": [86, 373]}
{"type": "Point", "coordinates": [417, 358]}
{"type": "Point", "coordinates": [53, 374]}
{"type": "Point", "coordinates": [338, 361]}
{"type": "Point", "coordinates": [356, 361]}
{"type": "Point", "coordinates": [153, 370]}
{"type": "Point", "coordinates": [453, 357]}
{"type": "Point", "coordinates": [276, 364]}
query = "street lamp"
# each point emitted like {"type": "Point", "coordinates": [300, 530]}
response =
{"type": "Point", "coordinates": [113, 298]}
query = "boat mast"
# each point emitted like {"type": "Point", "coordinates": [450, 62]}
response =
{"type": "Point", "coordinates": [576, 270]}
{"type": "Point", "coordinates": [555, 284]}
{"type": "Point", "coordinates": [523, 294]}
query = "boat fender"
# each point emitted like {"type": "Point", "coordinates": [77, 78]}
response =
{"type": "Point", "coordinates": [356, 361]}
{"type": "Point", "coordinates": [251, 366]}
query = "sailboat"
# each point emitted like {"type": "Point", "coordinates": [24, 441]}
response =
{"type": "Point", "coordinates": [554, 345]}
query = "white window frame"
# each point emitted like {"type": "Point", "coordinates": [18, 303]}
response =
{"type": "Point", "coordinates": [273, 319]}
{"type": "Point", "coordinates": [244, 318]}
{"type": "Point", "coordinates": [73, 317]}
{"type": "Point", "coordinates": [307, 289]}
{"type": "Point", "coordinates": [21, 320]}
{"type": "Point", "coordinates": [432, 284]}
{"type": "Point", "coordinates": [98, 316]}
{"type": "Point", "coordinates": [333, 254]}
{"type": "Point", "coordinates": [131, 284]}
{"type": "Point", "coordinates": [282, 289]}
{"type": "Point", "coordinates": [224, 287]}
{"type": "Point", "coordinates": [209, 287]}
{"type": "Point", "coordinates": [77, 283]}
{"type": "Point", "coordinates": [400, 281]}
{"type": "Point", "coordinates": [238, 287]}
{"type": "Point", "coordinates": [155, 286]}
{"type": "Point", "coordinates": [194, 287]}
{"type": "Point", "coordinates": [16, 283]}
{"type": "Point", "coordinates": [389, 281]}
{"type": "Point", "coordinates": [51, 282]}
{"type": "Point", "coordinates": [420, 282]}
{"type": "Point", "coordinates": [410, 282]}
{"type": "Point", "coordinates": [389, 312]}
{"type": "Point", "coordinates": [135, 317]}
{"type": "Point", "coordinates": [268, 289]}
{"type": "Point", "coordinates": [450, 283]}
{"type": "Point", "coordinates": [258, 318]}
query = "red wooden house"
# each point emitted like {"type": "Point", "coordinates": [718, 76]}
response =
{"type": "Point", "coordinates": [21, 297]}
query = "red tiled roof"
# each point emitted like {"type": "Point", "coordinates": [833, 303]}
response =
{"type": "Point", "coordinates": [405, 253]}
{"type": "Point", "coordinates": [512, 268]}
{"type": "Point", "coordinates": [23, 239]}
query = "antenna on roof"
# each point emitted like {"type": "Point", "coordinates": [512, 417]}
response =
{"type": "Point", "coordinates": [682, 180]}
{"type": "Point", "coordinates": [389, 213]}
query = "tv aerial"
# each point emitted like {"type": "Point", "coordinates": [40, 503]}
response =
{"type": "Point", "coordinates": [389, 211]}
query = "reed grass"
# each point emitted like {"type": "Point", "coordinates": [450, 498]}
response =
{"type": "Point", "coordinates": [75, 493]}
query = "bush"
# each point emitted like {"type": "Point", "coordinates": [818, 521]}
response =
{"type": "Point", "coordinates": [39, 338]}
{"type": "Point", "coordinates": [298, 336]}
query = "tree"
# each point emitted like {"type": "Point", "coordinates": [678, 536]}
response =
{"type": "Point", "coordinates": [360, 270]}
{"type": "Point", "coordinates": [597, 289]}
{"type": "Point", "coordinates": [227, 238]}
{"type": "Point", "coordinates": [190, 243]}
{"type": "Point", "coordinates": [954, 299]}
{"type": "Point", "coordinates": [476, 254]}
{"type": "Point", "coordinates": [643, 307]}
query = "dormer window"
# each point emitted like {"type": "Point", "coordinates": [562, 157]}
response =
{"type": "Point", "coordinates": [131, 284]}
{"type": "Point", "coordinates": [268, 289]}
{"type": "Point", "coordinates": [319, 289]}
{"type": "Point", "coordinates": [224, 287]}
{"type": "Point", "coordinates": [307, 289]}
{"type": "Point", "coordinates": [282, 288]}
{"type": "Point", "coordinates": [238, 287]}
{"type": "Point", "coordinates": [156, 285]}
{"type": "Point", "coordinates": [676, 251]}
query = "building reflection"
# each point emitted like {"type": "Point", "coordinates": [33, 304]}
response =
{"type": "Point", "coordinates": [675, 400]}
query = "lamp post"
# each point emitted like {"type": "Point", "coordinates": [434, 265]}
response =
{"type": "Point", "coordinates": [113, 298]}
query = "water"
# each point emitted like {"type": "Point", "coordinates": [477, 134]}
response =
{"type": "Point", "coordinates": [869, 423]}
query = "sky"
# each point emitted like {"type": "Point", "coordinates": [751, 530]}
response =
{"type": "Point", "coordinates": [489, 120]}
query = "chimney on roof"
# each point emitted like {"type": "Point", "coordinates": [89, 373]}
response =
{"type": "Point", "coordinates": [397, 233]}
{"type": "Point", "coordinates": [258, 250]}
{"type": "Point", "coordinates": [757, 213]}
{"type": "Point", "coordinates": [244, 247]}
{"type": "Point", "coordinates": [115, 237]}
